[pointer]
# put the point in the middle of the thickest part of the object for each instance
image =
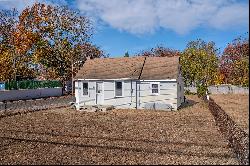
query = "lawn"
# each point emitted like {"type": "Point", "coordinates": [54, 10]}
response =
{"type": "Point", "coordinates": [66, 136]}
{"type": "Point", "coordinates": [236, 106]}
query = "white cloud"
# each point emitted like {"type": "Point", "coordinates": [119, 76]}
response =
{"type": "Point", "coordinates": [122, 14]}
{"type": "Point", "coordinates": [181, 16]}
{"type": "Point", "coordinates": [21, 4]}
{"type": "Point", "coordinates": [231, 15]}
{"type": "Point", "coordinates": [146, 16]}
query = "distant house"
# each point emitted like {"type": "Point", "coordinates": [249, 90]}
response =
{"type": "Point", "coordinates": [130, 82]}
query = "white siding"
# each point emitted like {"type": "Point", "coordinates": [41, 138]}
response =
{"type": "Point", "coordinates": [145, 99]}
{"type": "Point", "coordinates": [167, 95]}
{"type": "Point", "coordinates": [89, 99]}
{"type": "Point", "coordinates": [126, 101]}
{"type": "Point", "coordinates": [77, 94]}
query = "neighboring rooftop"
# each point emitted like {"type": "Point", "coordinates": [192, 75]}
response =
{"type": "Point", "coordinates": [146, 68]}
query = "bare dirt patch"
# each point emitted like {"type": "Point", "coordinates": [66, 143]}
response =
{"type": "Point", "coordinates": [236, 106]}
{"type": "Point", "coordinates": [66, 136]}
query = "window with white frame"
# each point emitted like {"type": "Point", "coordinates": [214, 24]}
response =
{"type": "Point", "coordinates": [85, 88]}
{"type": "Point", "coordinates": [118, 88]}
{"type": "Point", "coordinates": [155, 88]}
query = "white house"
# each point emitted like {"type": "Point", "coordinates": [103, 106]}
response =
{"type": "Point", "coordinates": [131, 82]}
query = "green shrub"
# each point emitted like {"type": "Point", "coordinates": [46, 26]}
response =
{"type": "Point", "coordinates": [201, 90]}
{"type": "Point", "coordinates": [188, 92]}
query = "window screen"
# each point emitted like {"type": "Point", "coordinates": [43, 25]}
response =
{"type": "Point", "coordinates": [155, 88]}
{"type": "Point", "coordinates": [85, 88]}
{"type": "Point", "coordinates": [118, 88]}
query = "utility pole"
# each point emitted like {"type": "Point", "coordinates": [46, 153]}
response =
{"type": "Point", "coordinates": [14, 66]}
{"type": "Point", "coordinates": [13, 52]}
{"type": "Point", "coordinates": [72, 77]}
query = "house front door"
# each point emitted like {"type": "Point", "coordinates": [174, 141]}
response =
{"type": "Point", "coordinates": [99, 93]}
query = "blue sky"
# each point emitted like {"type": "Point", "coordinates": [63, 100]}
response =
{"type": "Point", "coordinates": [135, 25]}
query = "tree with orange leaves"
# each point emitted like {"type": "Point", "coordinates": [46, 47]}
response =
{"type": "Point", "coordinates": [13, 49]}
{"type": "Point", "coordinates": [54, 37]}
{"type": "Point", "coordinates": [56, 31]}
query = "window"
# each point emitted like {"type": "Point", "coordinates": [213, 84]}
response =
{"type": "Point", "coordinates": [85, 88]}
{"type": "Point", "coordinates": [118, 89]}
{"type": "Point", "coordinates": [155, 88]}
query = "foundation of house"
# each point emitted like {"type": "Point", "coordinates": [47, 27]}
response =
{"type": "Point", "coordinates": [96, 108]}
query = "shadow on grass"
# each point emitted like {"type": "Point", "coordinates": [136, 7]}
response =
{"type": "Point", "coordinates": [54, 134]}
{"type": "Point", "coordinates": [188, 103]}
{"type": "Point", "coordinates": [132, 149]}
{"type": "Point", "coordinates": [166, 151]}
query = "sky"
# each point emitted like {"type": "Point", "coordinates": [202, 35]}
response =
{"type": "Point", "coordinates": [136, 25]}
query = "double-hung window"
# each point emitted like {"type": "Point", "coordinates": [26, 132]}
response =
{"type": "Point", "coordinates": [85, 88]}
{"type": "Point", "coordinates": [118, 89]}
{"type": "Point", "coordinates": [155, 88]}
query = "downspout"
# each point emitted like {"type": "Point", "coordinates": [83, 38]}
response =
{"type": "Point", "coordinates": [131, 91]}
{"type": "Point", "coordinates": [78, 87]}
{"type": "Point", "coordinates": [135, 94]}
{"type": "Point", "coordinates": [139, 92]}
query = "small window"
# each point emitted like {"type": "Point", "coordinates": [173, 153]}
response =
{"type": "Point", "coordinates": [155, 88]}
{"type": "Point", "coordinates": [118, 89]}
{"type": "Point", "coordinates": [85, 88]}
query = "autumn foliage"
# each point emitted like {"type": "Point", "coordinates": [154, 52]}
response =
{"type": "Point", "coordinates": [234, 63]}
{"type": "Point", "coordinates": [53, 42]}
{"type": "Point", "coordinates": [199, 64]}
{"type": "Point", "coordinates": [44, 41]}
{"type": "Point", "coordinates": [202, 65]}
{"type": "Point", "coordinates": [160, 51]}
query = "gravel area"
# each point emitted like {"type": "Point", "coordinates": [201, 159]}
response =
{"type": "Point", "coordinates": [25, 106]}
{"type": "Point", "coordinates": [236, 106]}
{"type": "Point", "coordinates": [66, 136]}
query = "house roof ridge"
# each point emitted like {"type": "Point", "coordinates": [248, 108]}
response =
{"type": "Point", "coordinates": [137, 67]}
{"type": "Point", "coordinates": [142, 67]}
{"type": "Point", "coordinates": [118, 58]}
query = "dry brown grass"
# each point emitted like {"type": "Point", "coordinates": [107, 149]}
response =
{"type": "Point", "coordinates": [64, 136]}
{"type": "Point", "coordinates": [236, 106]}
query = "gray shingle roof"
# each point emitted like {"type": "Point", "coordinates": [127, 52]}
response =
{"type": "Point", "coordinates": [111, 68]}
{"type": "Point", "coordinates": [157, 68]}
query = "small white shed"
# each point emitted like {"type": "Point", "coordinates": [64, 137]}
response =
{"type": "Point", "coordinates": [131, 82]}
